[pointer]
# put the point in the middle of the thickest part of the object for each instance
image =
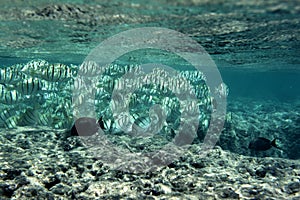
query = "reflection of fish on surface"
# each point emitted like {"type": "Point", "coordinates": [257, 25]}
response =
{"type": "Point", "coordinates": [222, 92]}
{"type": "Point", "coordinates": [262, 144]}
{"type": "Point", "coordinates": [33, 66]}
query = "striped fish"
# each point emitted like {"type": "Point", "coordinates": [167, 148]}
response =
{"type": "Point", "coordinates": [9, 97]}
{"type": "Point", "coordinates": [29, 86]}
{"type": "Point", "coordinates": [32, 67]}
{"type": "Point", "coordinates": [33, 116]}
{"type": "Point", "coordinates": [64, 123]}
{"type": "Point", "coordinates": [141, 121]}
{"type": "Point", "coordinates": [10, 75]}
{"type": "Point", "coordinates": [57, 73]}
{"type": "Point", "coordinates": [45, 119]}
{"type": "Point", "coordinates": [108, 124]}
{"type": "Point", "coordinates": [29, 117]}
{"type": "Point", "coordinates": [50, 72]}
{"type": "Point", "coordinates": [9, 118]}
{"type": "Point", "coordinates": [90, 69]}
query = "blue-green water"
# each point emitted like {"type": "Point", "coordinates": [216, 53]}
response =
{"type": "Point", "coordinates": [280, 85]}
{"type": "Point", "coordinates": [254, 44]}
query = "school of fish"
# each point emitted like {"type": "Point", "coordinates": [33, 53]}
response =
{"type": "Point", "coordinates": [39, 93]}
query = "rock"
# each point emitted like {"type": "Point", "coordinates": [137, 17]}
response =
{"type": "Point", "coordinates": [293, 187]}
{"type": "Point", "coordinates": [7, 190]}
{"type": "Point", "coordinates": [21, 181]}
{"type": "Point", "coordinates": [60, 189]}
{"type": "Point", "coordinates": [261, 172]}
{"type": "Point", "coordinates": [229, 193]}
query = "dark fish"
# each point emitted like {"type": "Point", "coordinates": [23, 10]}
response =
{"type": "Point", "coordinates": [85, 126]}
{"type": "Point", "coordinates": [262, 144]}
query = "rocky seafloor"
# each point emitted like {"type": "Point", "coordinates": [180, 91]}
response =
{"type": "Point", "coordinates": [41, 163]}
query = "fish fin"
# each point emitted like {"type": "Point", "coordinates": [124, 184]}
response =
{"type": "Point", "coordinates": [273, 143]}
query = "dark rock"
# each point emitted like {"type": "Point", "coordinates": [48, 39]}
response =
{"type": "Point", "coordinates": [229, 193]}
{"type": "Point", "coordinates": [7, 189]}
{"type": "Point", "coordinates": [253, 191]}
{"type": "Point", "coordinates": [119, 174]}
{"type": "Point", "coordinates": [156, 191]}
{"type": "Point", "coordinates": [223, 177]}
{"type": "Point", "coordinates": [152, 191]}
{"type": "Point", "coordinates": [198, 165]}
{"type": "Point", "coordinates": [21, 181]}
{"type": "Point", "coordinates": [30, 173]}
{"type": "Point", "coordinates": [60, 189]}
{"type": "Point", "coordinates": [250, 171]}
{"type": "Point", "coordinates": [35, 192]}
{"type": "Point", "coordinates": [275, 171]}
{"type": "Point", "coordinates": [172, 165]}
{"type": "Point", "coordinates": [25, 144]}
{"type": "Point", "coordinates": [261, 172]}
{"type": "Point", "coordinates": [12, 173]}
{"type": "Point", "coordinates": [70, 143]}
{"type": "Point", "coordinates": [51, 182]}
{"type": "Point", "coordinates": [147, 185]}
{"type": "Point", "coordinates": [292, 188]}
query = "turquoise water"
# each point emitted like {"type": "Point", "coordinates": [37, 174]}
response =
{"type": "Point", "coordinates": [254, 45]}
{"type": "Point", "coordinates": [142, 126]}
{"type": "Point", "coordinates": [280, 86]}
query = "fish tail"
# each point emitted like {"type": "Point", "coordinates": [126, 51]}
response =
{"type": "Point", "coordinates": [273, 143]}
